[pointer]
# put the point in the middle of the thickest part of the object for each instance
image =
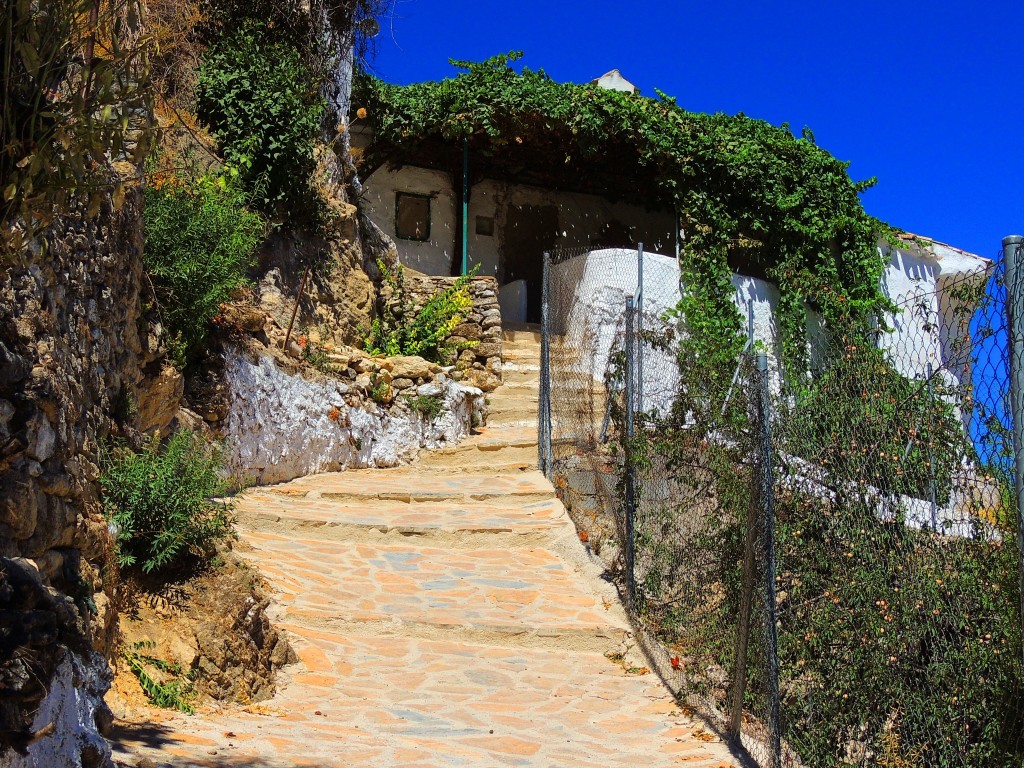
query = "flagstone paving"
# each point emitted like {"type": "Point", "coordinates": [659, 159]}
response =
{"type": "Point", "coordinates": [443, 615]}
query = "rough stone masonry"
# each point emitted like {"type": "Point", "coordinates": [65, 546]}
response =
{"type": "Point", "coordinates": [480, 364]}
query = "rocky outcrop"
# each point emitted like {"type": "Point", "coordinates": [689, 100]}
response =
{"type": "Point", "coordinates": [213, 627]}
{"type": "Point", "coordinates": [338, 297]}
{"type": "Point", "coordinates": [51, 681]}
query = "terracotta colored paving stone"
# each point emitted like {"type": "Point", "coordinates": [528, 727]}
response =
{"type": "Point", "coordinates": [439, 620]}
{"type": "Point", "coordinates": [430, 585]}
{"type": "Point", "coordinates": [441, 516]}
{"type": "Point", "coordinates": [409, 483]}
{"type": "Point", "coordinates": [503, 694]}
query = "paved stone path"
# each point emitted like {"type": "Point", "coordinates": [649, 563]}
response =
{"type": "Point", "coordinates": [444, 614]}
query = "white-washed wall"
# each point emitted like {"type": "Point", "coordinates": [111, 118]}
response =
{"type": "Point", "coordinates": [588, 295]}
{"type": "Point", "coordinates": [71, 707]}
{"type": "Point", "coordinates": [933, 328]}
{"type": "Point", "coordinates": [433, 256]}
{"type": "Point", "coordinates": [315, 428]}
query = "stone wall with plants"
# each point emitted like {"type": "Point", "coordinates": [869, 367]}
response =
{"type": "Point", "coordinates": [332, 405]}
{"type": "Point", "coordinates": [67, 382]}
{"type": "Point", "coordinates": [476, 339]}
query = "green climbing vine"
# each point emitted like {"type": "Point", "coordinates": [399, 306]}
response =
{"type": "Point", "coordinates": [749, 193]}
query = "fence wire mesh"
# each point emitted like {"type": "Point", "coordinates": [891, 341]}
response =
{"type": "Point", "coordinates": [829, 551]}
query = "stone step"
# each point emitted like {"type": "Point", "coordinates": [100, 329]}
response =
{"type": "Point", "coordinates": [527, 380]}
{"type": "Point", "coordinates": [524, 335]}
{"type": "Point", "coordinates": [517, 409]}
{"type": "Point", "coordinates": [396, 700]}
{"type": "Point", "coordinates": [519, 377]}
{"type": "Point", "coordinates": [417, 483]}
{"type": "Point", "coordinates": [320, 582]}
{"type": "Point", "coordinates": [526, 422]}
{"type": "Point", "coordinates": [515, 387]}
{"type": "Point", "coordinates": [494, 409]}
{"type": "Point", "coordinates": [513, 392]}
{"type": "Point", "coordinates": [326, 518]}
{"type": "Point", "coordinates": [517, 360]}
{"type": "Point", "coordinates": [520, 349]}
{"type": "Point", "coordinates": [522, 343]}
{"type": "Point", "coordinates": [518, 460]}
{"type": "Point", "coordinates": [478, 459]}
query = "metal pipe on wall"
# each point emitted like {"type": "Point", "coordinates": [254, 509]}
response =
{"type": "Point", "coordinates": [465, 205]}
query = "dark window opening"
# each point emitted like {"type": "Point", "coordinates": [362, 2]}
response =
{"type": "Point", "coordinates": [412, 216]}
{"type": "Point", "coordinates": [485, 226]}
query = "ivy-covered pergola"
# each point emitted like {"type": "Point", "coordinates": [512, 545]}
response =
{"type": "Point", "coordinates": [747, 193]}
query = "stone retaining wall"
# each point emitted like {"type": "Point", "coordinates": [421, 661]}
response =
{"type": "Point", "coordinates": [351, 410]}
{"type": "Point", "coordinates": [480, 364]}
{"type": "Point", "coordinates": [74, 353]}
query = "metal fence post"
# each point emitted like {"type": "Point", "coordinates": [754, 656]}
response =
{"type": "Point", "coordinates": [639, 327]}
{"type": "Point", "coordinates": [739, 681]}
{"type": "Point", "coordinates": [1013, 249]}
{"type": "Point", "coordinates": [931, 461]}
{"type": "Point", "coordinates": [544, 415]}
{"type": "Point", "coordinates": [767, 500]}
{"type": "Point", "coordinates": [630, 487]}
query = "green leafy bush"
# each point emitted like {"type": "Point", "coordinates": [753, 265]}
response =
{"type": "Point", "coordinates": [200, 240]}
{"type": "Point", "coordinates": [902, 641]}
{"type": "Point", "coordinates": [261, 101]}
{"type": "Point", "coordinates": [402, 329]}
{"type": "Point", "coordinates": [860, 419]}
{"type": "Point", "coordinates": [427, 406]}
{"type": "Point", "coordinates": [161, 502]}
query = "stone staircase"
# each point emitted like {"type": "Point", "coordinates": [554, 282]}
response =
{"type": "Point", "coordinates": [443, 613]}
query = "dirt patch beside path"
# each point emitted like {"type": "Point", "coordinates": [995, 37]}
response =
{"type": "Point", "coordinates": [209, 631]}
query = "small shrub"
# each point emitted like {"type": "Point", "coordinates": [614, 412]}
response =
{"type": "Point", "coordinates": [200, 240]}
{"type": "Point", "coordinates": [176, 692]}
{"type": "Point", "coordinates": [260, 99]}
{"type": "Point", "coordinates": [161, 501]}
{"type": "Point", "coordinates": [423, 331]}
{"type": "Point", "coordinates": [427, 406]}
{"type": "Point", "coordinates": [380, 390]}
{"type": "Point", "coordinates": [316, 355]}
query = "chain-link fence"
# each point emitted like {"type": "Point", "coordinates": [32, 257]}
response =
{"type": "Point", "coordinates": [828, 550]}
{"type": "Point", "coordinates": [584, 345]}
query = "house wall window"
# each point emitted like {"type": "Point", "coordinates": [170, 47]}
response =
{"type": "Point", "coordinates": [485, 226]}
{"type": "Point", "coordinates": [412, 216]}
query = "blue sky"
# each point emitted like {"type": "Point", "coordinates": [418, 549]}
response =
{"type": "Point", "coordinates": [927, 96]}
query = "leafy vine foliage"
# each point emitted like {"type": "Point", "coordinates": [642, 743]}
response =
{"type": "Point", "coordinates": [748, 192]}
{"type": "Point", "coordinates": [260, 98]}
